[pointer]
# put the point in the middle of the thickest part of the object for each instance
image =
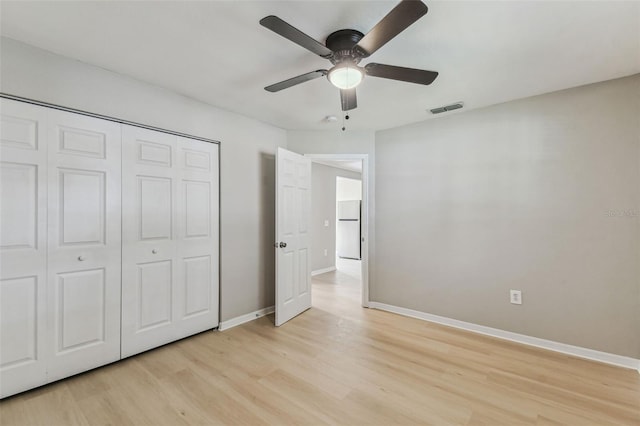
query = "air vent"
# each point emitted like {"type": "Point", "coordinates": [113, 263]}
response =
{"type": "Point", "coordinates": [446, 108]}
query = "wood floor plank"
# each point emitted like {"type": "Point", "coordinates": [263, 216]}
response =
{"type": "Point", "coordinates": [338, 364]}
{"type": "Point", "coordinates": [43, 406]}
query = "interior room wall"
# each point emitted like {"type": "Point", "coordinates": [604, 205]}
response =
{"type": "Point", "coordinates": [247, 155]}
{"type": "Point", "coordinates": [348, 189]}
{"type": "Point", "coordinates": [347, 142]}
{"type": "Point", "coordinates": [323, 208]}
{"type": "Point", "coordinates": [540, 194]}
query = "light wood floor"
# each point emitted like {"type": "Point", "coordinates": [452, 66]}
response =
{"type": "Point", "coordinates": [338, 364]}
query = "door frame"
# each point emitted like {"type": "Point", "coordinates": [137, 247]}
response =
{"type": "Point", "coordinates": [319, 158]}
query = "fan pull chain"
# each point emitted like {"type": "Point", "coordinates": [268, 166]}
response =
{"type": "Point", "coordinates": [345, 117]}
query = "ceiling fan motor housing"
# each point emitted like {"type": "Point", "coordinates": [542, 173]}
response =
{"type": "Point", "coordinates": [342, 44]}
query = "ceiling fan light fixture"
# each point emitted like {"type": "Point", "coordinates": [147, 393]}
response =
{"type": "Point", "coordinates": [345, 76]}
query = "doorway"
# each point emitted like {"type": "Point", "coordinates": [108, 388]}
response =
{"type": "Point", "coordinates": [348, 238]}
{"type": "Point", "coordinates": [340, 271]}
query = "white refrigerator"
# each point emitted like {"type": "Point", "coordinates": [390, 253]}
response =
{"type": "Point", "coordinates": [348, 230]}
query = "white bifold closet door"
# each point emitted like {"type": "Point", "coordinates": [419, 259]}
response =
{"type": "Point", "coordinates": [84, 240]}
{"type": "Point", "coordinates": [170, 238]}
{"type": "Point", "coordinates": [60, 245]}
{"type": "Point", "coordinates": [23, 247]}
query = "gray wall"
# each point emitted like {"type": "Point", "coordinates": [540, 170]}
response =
{"type": "Point", "coordinates": [247, 155]}
{"type": "Point", "coordinates": [540, 194]}
{"type": "Point", "coordinates": [323, 207]}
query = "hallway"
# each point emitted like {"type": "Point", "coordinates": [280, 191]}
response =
{"type": "Point", "coordinates": [339, 292]}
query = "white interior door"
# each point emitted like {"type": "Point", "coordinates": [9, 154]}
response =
{"type": "Point", "coordinates": [84, 243]}
{"type": "Point", "coordinates": [149, 222]}
{"type": "Point", "coordinates": [23, 248]}
{"type": "Point", "coordinates": [197, 242]}
{"type": "Point", "coordinates": [170, 238]}
{"type": "Point", "coordinates": [293, 210]}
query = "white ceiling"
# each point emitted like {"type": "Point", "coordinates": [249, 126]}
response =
{"type": "Point", "coordinates": [215, 51]}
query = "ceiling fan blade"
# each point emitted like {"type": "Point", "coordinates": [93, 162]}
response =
{"type": "Point", "coordinates": [348, 99]}
{"type": "Point", "coordinates": [396, 21]}
{"type": "Point", "coordinates": [392, 72]}
{"type": "Point", "coordinates": [287, 31]}
{"type": "Point", "coordinates": [296, 80]}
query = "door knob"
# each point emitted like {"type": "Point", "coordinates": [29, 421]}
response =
{"type": "Point", "coordinates": [283, 245]}
{"type": "Point", "coordinates": [80, 258]}
{"type": "Point", "coordinates": [154, 251]}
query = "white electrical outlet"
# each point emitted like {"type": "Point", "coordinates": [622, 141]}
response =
{"type": "Point", "coordinates": [326, 252]}
{"type": "Point", "coordinates": [326, 224]}
{"type": "Point", "coordinates": [515, 297]}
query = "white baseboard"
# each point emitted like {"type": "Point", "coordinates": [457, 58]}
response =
{"type": "Point", "coordinates": [607, 358]}
{"type": "Point", "coordinates": [233, 322]}
{"type": "Point", "coordinates": [323, 271]}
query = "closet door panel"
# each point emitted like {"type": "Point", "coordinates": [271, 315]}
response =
{"type": "Point", "coordinates": [149, 272]}
{"type": "Point", "coordinates": [23, 248]}
{"type": "Point", "coordinates": [155, 208]}
{"type": "Point", "coordinates": [82, 207]}
{"type": "Point", "coordinates": [197, 241]}
{"type": "Point", "coordinates": [197, 286]}
{"type": "Point", "coordinates": [84, 244]}
{"type": "Point", "coordinates": [81, 309]}
{"type": "Point", "coordinates": [154, 293]}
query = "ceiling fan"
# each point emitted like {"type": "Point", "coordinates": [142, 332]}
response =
{"type": "Point", "coordinates": [346, 48]}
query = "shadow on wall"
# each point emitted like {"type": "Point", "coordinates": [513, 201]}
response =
{"type": "Point", "coordinates": [266, 266]}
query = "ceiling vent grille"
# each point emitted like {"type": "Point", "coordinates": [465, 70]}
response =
{"type": "Point", "coordinates": [451, 107]}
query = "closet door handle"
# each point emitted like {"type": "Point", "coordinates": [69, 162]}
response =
{"type": "Point", "coordinates": [81, 258]}
{"type": "Point", "coordinates": [154, 251]}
